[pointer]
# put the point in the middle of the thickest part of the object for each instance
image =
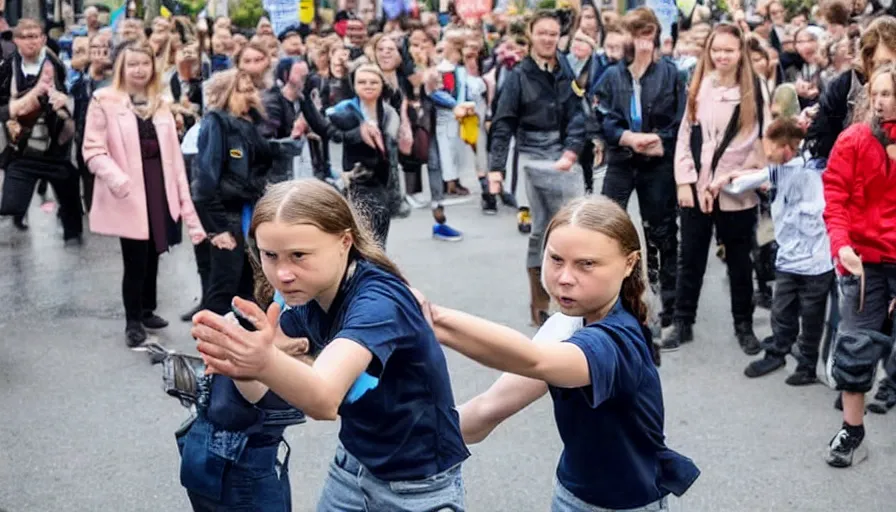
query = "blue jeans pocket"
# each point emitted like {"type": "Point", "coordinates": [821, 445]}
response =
{"type": "Point", "coordinates": [201, 471]}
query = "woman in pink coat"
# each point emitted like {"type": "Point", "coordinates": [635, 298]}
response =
{"type": "Point", "coordinates": [141, 193]}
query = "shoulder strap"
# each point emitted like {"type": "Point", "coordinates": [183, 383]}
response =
{"type": "Point", "coordinates": [730, 133]}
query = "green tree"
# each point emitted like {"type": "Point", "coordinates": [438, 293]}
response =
{"type": "Point", "coordinates": [547, 4]}
{"type": "Point", "coordinates": [246, 13]}
{"type": "Point", "coordinates": [793, 6]}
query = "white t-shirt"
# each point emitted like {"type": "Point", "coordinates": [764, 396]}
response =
{"type": "Point", "coordinates": [558, 327]}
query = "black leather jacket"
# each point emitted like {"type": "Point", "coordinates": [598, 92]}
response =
{"type": "Point", "coordinates": [534, 102]}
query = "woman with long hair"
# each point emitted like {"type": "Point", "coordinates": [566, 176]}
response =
{"type": "Point", "coordinates": [230, 175]}
{"type": "Point", "coordinates": [720, 133]}
{"type": "Point", "coordinates": [859, 191]}
{"type": "Point", "coordinates": [598, 362]}
{"type": "Point", "coordinates": [141, 192]}
{"type": "Point", "coordinates": [369, 169]}
{"type": "Point", "coordinates": [378, 366]}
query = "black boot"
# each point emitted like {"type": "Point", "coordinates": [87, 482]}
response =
{"type": "Point", "coordinates": [681, 333]}
{"type": "Point", "coordinates": [884, 399]}
{"type": "Point", "coordinates": [489, 203]}
{"type": "Point", "coordinates": [748, 341]}
{"type": "Point", "coordinates": [135, 335]}
{"type": "Point", "coordinates": [764, 366]}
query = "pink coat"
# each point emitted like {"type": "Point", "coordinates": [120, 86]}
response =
{"type": "Point", "coordinates": [715, 106]}
{"type": "Point", "coordinates": [112, 153]}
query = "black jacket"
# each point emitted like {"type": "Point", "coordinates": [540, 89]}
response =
{"type": "Point", "coordinates": [347, 116]}
{"type": "Point", "coordinates": [534, 100]}
{"type": "Point", "coordinates": [834, 110]}
{"type": "Point", "coordinates": [230, 171]}
{"type": "Point", "coordinates": [58, 152]}
{"type": "Point", "coordinates": [663, 99]}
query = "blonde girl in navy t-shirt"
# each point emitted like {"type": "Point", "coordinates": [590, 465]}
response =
{"type": "Point", "coordinates": [608, 402]}
{"type": "Point", "coordinates": [378, 366]}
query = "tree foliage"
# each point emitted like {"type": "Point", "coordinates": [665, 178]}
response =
{"type": "Point", "coordinates": [794, 6]}
{"type": "Point", "coordinates": [246, 13]}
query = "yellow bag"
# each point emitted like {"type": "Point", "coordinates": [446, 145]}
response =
{"type": "Point", "coordinates": [469, 129]}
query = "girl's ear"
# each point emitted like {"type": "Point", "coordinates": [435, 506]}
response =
{"type": "Point", "coordinates": [631, 261]}
{"type": "Point", "coordinates": [347, 239]}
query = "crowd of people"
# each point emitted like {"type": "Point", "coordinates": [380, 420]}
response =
{"type": "Point", "coordinates": [762, 135]}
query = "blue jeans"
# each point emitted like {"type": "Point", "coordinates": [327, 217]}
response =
{"type": "Point", "coordinates": [255, 482]}
{"type": "Point", "coordinates": [351, 488]}
{"type": "Point", "coordinates": [565, 501]}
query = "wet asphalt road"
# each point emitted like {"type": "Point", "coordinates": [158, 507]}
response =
{"type": "Point", "coordinates": [85, 426]}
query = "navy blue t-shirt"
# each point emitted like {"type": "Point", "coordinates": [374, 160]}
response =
{"type": "Point", "coordinates": [402, 425]}
{"type": "Point", "coordinates": [614, 452]}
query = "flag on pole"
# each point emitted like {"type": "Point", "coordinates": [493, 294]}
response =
{"type": "Point", "coordinates": [117, 16]}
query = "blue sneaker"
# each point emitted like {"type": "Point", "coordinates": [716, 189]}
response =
{"type": "Point", "coordinates": [446, 233]}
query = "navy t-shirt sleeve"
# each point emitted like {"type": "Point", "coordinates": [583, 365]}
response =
{"type": "Point", "coordinates": [379, 321]}
{"type": "Point", "coordinates": [293, 323]}
{"type": "Point", "coordinates": [612, 373]}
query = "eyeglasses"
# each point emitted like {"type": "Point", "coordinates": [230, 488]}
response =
{"type": "Point", "coordinates": [30, 37]}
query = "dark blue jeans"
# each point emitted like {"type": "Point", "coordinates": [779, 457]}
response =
{"type": "Point", "coordinates": [254, 482]}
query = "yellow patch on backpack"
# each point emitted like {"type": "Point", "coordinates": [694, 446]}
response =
{"type": "Point", "coordinates": [577, 90]}
{"type": "Point", "coordinates": [236, 153]}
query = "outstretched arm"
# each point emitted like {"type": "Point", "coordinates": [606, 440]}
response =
{"type": "Point", "coordinates": [502, 348]}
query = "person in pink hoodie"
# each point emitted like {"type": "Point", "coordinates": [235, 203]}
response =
{"type": "Point", "coordinates": [141, 192]}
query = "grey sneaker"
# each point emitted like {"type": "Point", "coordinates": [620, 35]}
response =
{"type": "Point", "coordinates": [845, 451]}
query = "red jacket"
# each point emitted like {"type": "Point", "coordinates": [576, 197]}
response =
{"type": "Point", "coordinates": [860, 195]}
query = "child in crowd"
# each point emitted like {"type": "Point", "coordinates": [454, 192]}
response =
{"type": "Point", "coordinates": [804, 271]}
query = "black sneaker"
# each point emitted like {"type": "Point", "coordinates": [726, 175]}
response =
{"type": "Point", "coordinates": [188, 316]}
{"type": "Point", "coordinates": [803, 376]}
{"type": "Point", "coordinates": [845, 451]}
{"type": "Point", "coordinates": [884, 399]}
{"type": "Point", "coordinates": [489, 204]}
{"type": "Point", "coordinates": [135, 336]}
{"type": "Point", "coordinates": [153, 321]}
{"type": "Point", "coordinates": [764, 366]}
{"type": "Point", "coordinates": [681, 333]}
{"type": "Point", "coordinates": [748, 341]}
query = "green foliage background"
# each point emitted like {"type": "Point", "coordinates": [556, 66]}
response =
{"type": "Point", "coordinates": [246, 13]}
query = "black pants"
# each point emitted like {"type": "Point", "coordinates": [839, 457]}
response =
{"type": "Point", "coordinates": [138, 286]}
{"type": "Point", "coordinates": [799, 300]}
{"type": "Point", "coordinates": [230, 274]}
{"type": "Point", "coordinates": [413, 177]}
{"type": "Point", "coordinates": [657, 199]}
{"type": "Point", "coordinates": [736, 231]}
{"type": "Point", "coordinates": [18, 190]}
{"type": "Point", "coordinates": [203, 253]}
{"type": "Point", "coordinates": [371, 201]}
{"type": "Point", "coordinates": [586, 160]}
